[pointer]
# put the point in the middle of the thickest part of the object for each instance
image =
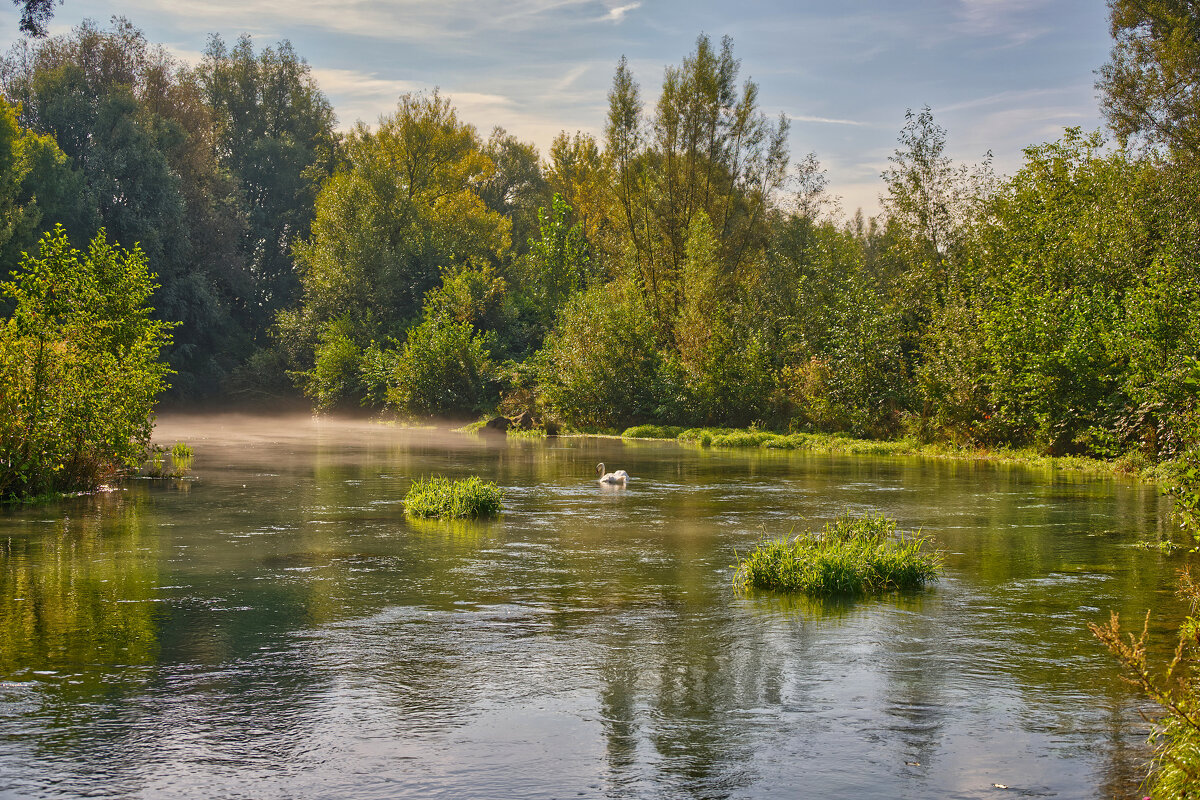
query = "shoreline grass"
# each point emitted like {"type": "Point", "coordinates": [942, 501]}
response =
{"type": "Point", "coordinates": [839, 444]}
{"type": "Point", "coordinates": [853, 556]}
{"type": "Point", "coordinates": [441, 497]}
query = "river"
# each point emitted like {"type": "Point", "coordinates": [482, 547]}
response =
{"type": "Point", "coordinates": [274, 627]}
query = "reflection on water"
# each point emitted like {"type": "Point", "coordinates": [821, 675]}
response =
{"type": "Point", "coordinates": [277, 628]}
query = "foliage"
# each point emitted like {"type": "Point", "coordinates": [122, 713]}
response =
{"type": "Point", "coordinates": [79, 368]}
{"type": "Point", "coordinates": [707, 148]}
{"type": "Point", "coordinates": [444, 368]}
{"type": "Point", "coordinates": [1177, 733]}
{"type": "Point", "coordinates": [1151, 85]}
{"type": "Point", "coordinates": [438, 496]}
{"type": "Point", "coordinates": [600, 366]}
{"type": "Point", "coordinates": [652, 432]}
{"type": "Point", "coordinates": [273, 130]}
{"type": "Point", "coordinates": [853, 556]}
{"type": "Point", "coordinates": [556, 267]}
{"type": "Point", "coordinates": [401, 210]}
{"type": "Point", "coordinates": [133, 124]}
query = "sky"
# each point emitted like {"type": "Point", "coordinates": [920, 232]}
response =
{"type": "Point", "coordinates": [999, 75]}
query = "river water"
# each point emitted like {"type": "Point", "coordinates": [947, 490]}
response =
{"type": "Point", "coordinates": [274, 627]}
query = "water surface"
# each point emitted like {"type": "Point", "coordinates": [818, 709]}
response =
{"type": "Point", "coordinates": [276, 628]}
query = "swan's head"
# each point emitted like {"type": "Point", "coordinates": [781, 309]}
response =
{"type": "Point", "coordinates": [600, 468]}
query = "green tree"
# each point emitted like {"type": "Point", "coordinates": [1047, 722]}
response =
{"type": "Point", "coordinates": [402, 208]}
{"type": "Point", "coordinates": [79, 367]}
{"type": "Point", "coordinates": [708, 148]}
{"type": "Point", "coordinates": [273, 130]}
{"type": "Point", "coordinates": [1151, 84]}
{"type": "Point", "coordinates": [134, 124]}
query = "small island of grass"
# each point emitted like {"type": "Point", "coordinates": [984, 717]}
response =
{"type": "Point", "coordinates": [853, 556]}
{"type": "Point", "coordinates": [441, 497]}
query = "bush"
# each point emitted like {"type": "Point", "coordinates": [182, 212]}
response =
{"type": "Point", "coordinates": [444, 368]}
{"type": "Point", "coordinates": [79, 368]}
{"type": "Point", "coordinates": [852, 557]}
{"type": "Point", "coordinates": [600, 367]}
{"type": "Point", "coordinates": [441, 497]}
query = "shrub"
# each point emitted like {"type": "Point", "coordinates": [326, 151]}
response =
{"type": "Point", "coordinates": [79, 368]}
{"type": "Point", "coordinates": [441, 497]}
{"type": "Point", "coordinates": [444, 369]}
{"type": "Point", "coordinates": [600, 366]}
{"type": "Point", "coordinates": [852, 557]}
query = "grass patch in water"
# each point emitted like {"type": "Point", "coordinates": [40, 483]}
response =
{"type": "Point", "coordinates": [853, 556]}
{"type": "Point", "coordinates": [441, 497]}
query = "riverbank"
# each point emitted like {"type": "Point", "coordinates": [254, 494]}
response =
{"type": "Point", "coordinates": [1129, 465]}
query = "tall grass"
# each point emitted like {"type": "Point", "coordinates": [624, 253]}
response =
{"type": "Point", "coordinates": [441, 497]}
{"type": "Point", "coordinates": [852, 556]}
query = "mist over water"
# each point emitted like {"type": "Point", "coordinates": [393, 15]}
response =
{"type": "Point", "coordinates": [275, 627]}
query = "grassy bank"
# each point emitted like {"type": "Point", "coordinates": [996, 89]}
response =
{"type": "Point", "coordinates": [852, 556]}
{"type": "Point", "coordinates": [838, 444]}
{"type": "Point", "coordinates": [441, 497]}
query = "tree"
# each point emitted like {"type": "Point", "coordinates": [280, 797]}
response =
{"type": "Point", "coordinates": [133, 123]}
{"type": "Point", "coordinates": [1151, 84]}
{"type": "Point", "coordinates": [35, 14]}
{"type": "Point", "coordinates": [401, 209]}
{"type": "Point", "coordinates": [79, 367]}
{"type": "Point", "coordinates": [273, 129]}
{"type": "Point", "coordinates": [707, 149]}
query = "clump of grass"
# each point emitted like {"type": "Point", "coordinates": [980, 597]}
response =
{"type": "Point", "coordinates": [441, 497]}
{"type": "Point", "coordinates": [853, 556]}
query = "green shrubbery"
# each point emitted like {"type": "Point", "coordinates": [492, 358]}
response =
{"type": "Point", "coordinates": [853, 556]}
{"type": "Point", "coordinates": [441, 497]}
{"type": "Point", "coordinates": [79, 368]}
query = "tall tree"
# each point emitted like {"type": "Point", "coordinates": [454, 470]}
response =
{"type": "Point", "coordinates": [708, 148]}
{"type": "Point", "coordinates": [401, 210]}
{"type": "Point", "coordinates": [273, 131]}
{"type": "Point", "coordinates": [132, 121]}
{"type": "Point", "coordinates": [1151, 84]}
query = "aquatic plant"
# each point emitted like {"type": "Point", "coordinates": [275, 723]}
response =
{"type": "Point", "coordinates": [182, 456]}
{"type": "Point", "coordinates": [852, 556]}
{"type": "Point", "coordinates": [439, 496]}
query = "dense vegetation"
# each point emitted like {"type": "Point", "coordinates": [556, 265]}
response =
{"type": "Point", "coordinates": [79, 368]}
{"type": "Point", "coordinates": [677, 272]}
{"type": "Point", "coordinates": [852, 556]}
{"type": "Point", "coordinates": [439, 496]}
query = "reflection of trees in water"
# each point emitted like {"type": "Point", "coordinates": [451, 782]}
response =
{"type": "Point", "coordinates": [77, 595]}
{"type": "Point", "coordinates": [79, 630]}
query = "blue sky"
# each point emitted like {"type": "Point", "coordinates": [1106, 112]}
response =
{"type": "Point", "coordinates": [998, 74]}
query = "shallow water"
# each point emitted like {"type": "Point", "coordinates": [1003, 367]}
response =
{"type": "Point", "coordinates": [276, 628]}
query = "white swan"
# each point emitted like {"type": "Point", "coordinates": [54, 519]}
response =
{"type": "Point", "coordinates": [620, 476]}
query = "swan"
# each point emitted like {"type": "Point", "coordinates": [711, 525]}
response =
{"type": "Point", "coordinates": [620, 476]}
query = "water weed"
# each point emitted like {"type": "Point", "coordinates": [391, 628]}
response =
{"type": "Point", "coordinates": [438, 496]}
{"type": "Point", "coordinates": [852, 556]}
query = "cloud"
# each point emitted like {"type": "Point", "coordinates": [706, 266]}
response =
{"type": "Point", "coordinates": [1010, 20]}
{"type": "Point", "coordinates": [617, 14]}
{"type": "Point", "coordinates": [826, 120]}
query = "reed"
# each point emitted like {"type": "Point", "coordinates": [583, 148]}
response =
{"type": "Point", "coordinates": [852, 556]}
{"type": "Point", "coordinates": [438, 496]}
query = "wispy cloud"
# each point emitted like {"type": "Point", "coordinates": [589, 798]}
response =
{"type": "Point", "coordinates": [617, 14]}
{"type": "Point", "coordinates": [826, 120]}
{"type": "Point", "coordinates": [1009, 20]}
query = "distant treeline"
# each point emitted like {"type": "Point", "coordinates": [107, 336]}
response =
{"type": "Point", "coordinates": [680, 270]}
